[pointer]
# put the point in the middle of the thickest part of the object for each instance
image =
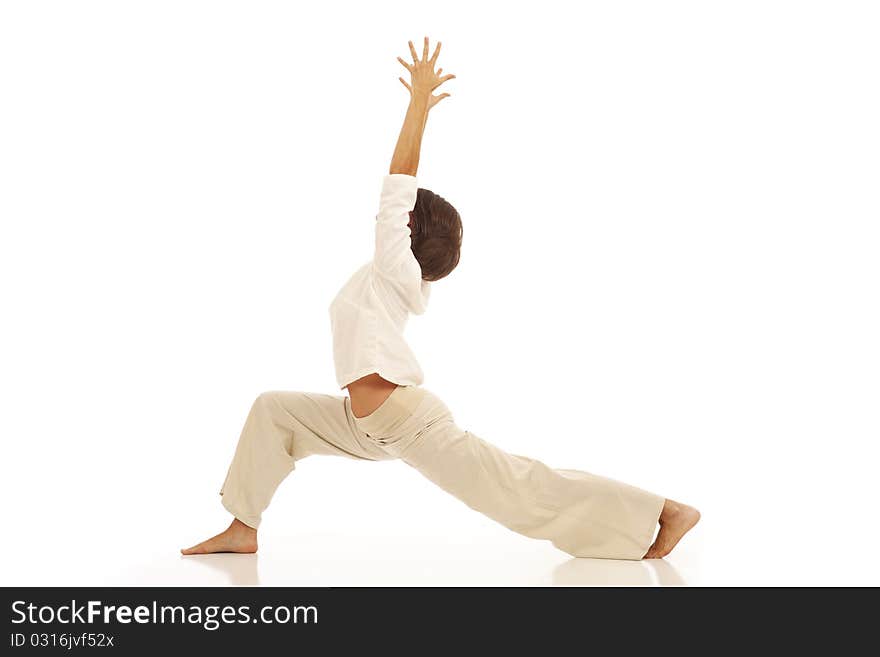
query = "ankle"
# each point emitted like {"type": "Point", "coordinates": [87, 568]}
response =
{"type": "Point", "coordinates": [671, 508]}
{"type": "Point", "coordinates": [239, 527]}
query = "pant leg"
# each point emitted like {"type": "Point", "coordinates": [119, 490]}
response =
{"type": "Point", "coordinates": [580, 513]}
{"type": "Point", "coordinates": [282, 428]}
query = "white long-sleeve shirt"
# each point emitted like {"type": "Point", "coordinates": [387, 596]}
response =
{"type": "Point", "coordinates": [370, 312]}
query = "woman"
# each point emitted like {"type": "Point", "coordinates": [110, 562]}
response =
{"type": "Point", "coordinates": [388, 414]}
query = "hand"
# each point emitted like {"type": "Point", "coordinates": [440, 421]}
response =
{"type": "Point", "coordinates": [422, 76]}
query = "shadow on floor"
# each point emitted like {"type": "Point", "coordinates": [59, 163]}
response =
{"type": "Point", "coordinates": [239, 569]}
{"type": "Point", "coordinates": [608, 572]}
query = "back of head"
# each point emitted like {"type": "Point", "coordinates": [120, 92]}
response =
{"type": "Point", "coordinates": [436, 232]}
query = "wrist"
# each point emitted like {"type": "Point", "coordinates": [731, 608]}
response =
{"type": "Point", "coordinates": [419, 101]}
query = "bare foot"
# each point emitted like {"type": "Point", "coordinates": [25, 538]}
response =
{"type": "Point", "coordinates": [676, 520]}
{"type": "Point", "coordinates": [238, 537]}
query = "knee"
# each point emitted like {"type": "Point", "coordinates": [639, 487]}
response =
{"type": "Point", "coordinates": [280, 404]}
{"type": "Point", "coordinates": [269, 421]}
{"type": "Point", "coordinates": [265, 402]}
{"type": "Point", "coordinates": [265, 397]}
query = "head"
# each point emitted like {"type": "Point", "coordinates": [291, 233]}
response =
{"type": "Point", "coordinates": [436, 231]}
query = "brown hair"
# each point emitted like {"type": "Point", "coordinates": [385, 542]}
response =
{"type": "Point", "coordinates": [436, 235]}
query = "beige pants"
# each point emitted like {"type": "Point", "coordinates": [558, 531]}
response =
{"type": "Point", "coordinates": [582, 514]}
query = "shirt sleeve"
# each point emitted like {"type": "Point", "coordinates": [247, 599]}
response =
{"type": "Point", "coordinates": [393, 241]}
{"type": "Point", "coordinates": [393, 259]}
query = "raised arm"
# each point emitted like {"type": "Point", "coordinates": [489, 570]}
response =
{"type": "Point", "coordinates": [394, 260]}
{"type": "Point", "coordinates": [423, 81]}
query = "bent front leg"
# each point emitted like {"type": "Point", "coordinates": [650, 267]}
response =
{"type": "Point", "coordinates": [282, 428]}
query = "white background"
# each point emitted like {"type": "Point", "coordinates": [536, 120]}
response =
{"type": "Point", "coordinates": [669, 276]}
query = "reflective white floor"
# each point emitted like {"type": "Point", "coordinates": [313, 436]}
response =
{"type": "Point", "coordinates": [340, 524]}
{"type": "Point", "coordinates": [435, 541]}
{"type": "Point", "coordinates": [323, 560]}
{"type": "Point", "coordinates": [227, 569]}
{"type": "Point", "coordinates": [466, 552]}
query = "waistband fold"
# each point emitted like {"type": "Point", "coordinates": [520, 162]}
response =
{"type": "Point", "coordinates": [399, 405]}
